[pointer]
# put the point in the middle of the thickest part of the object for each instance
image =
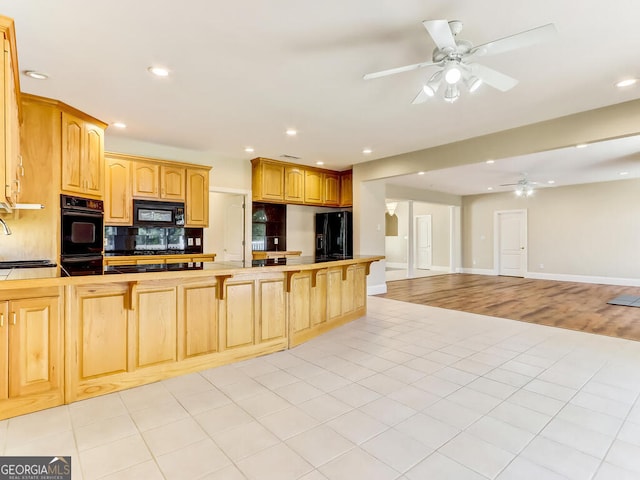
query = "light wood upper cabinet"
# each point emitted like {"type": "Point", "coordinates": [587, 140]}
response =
{"type": "Point", "coordinates": [197, 203]}
{"type": "Point", "coordinates": [346, 189]}
{"type": "Point", "coordinates": [158, 181]}
{"type": "Point", "coordinates": [281, 182]}
{"type": "Point", "coordinates": [82, 157]}
{"type": "Point", "coordinates": [313, 187]}
{"type": "Point", "coordinates": [11, 169]}
{"type": "Point", "coordinates": [331, 192]}
{"type": "Point", "coordinates": [146, 180]}
{"type": "Point", "coordinates": [267, 180]}
{"type": "Point", "coordinates": [118, 199]}
{"type": "Point", "coordinates": [172, 183]}
{"type": "Point", "coordinates": [294, 184]}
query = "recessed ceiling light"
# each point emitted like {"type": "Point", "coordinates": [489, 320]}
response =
{"type": "Point", "coordinates": [489, 188]}
{"type": "Point", "coordinates": [490, 162]}
{"type": "Point", "coordinates": [249, 149]}
{"type": "Point", "coordinates": [292, 132]}
{"type": "Point", "coordinates": [319, 163]}
{"type": "Point", "coordinates": [420, 173]}
{"type": "Point", "coordinates": [627, 82]}
{"type": "Point", "coordinates": [119, 125]}
{"type": "Point", "coordinates": [159, 71]}
{"type": "Point", "coordinates": [36, 75]}
{"type": "Point", "coordinates": [367, 151]}
{"type": "Point", "coordinates": [551, 182]}
{"type": "Point", "coordinates": [624, 173]}
{"type": "Point", "coordinates": [582, 145]}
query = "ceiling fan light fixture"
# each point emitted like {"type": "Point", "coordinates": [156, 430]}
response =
{"type": "Point", "coordinates": [519, 192]}
{"type": "Point", "coordinates": [473, 83]}
{"type": "Point", "coordinates": [451, 94]}
{"type": "Point", "coordinates": [452, 74]}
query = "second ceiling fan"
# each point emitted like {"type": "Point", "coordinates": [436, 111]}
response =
{"type": "Point", "coordinates": [457, 59]}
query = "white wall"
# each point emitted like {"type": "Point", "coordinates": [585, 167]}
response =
{"type": "Point", "coordinates": [396, 248]}
{"type": "Point", "coordinates": [226, 172]}
{"type": "Point", "coordinates": [589, 232]}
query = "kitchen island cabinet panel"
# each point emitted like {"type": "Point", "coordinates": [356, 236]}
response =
{"type": "Point", "coordinates": [238, 322]}
{"type": "Point", "coordinates": [198, 319]}
{"type": "Point", "coordinates": [272, 309]}
{"type": "Point", "coordinates": [31, 351]}
{"type": "Point", "coordinates": [103, 331]}
{"type": "Point", "coordinates": [155, 324]}
{"type": "Point", "coordinates": [319, 299]}
{"type": "Point", "coordinates": [334, 293]}
{"type": "Point", "coordinates": [300, 302]}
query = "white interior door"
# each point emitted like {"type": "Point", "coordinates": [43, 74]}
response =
{"type": "Point", "coordinates": [512, 247]}
{"type": "Point", "coordinates": [423, 242]}
{"type": "Point", "coordinates": [233, 249]}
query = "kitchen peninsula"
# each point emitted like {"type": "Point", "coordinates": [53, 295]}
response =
{"type": "Point", "coordinates": [72, 338]}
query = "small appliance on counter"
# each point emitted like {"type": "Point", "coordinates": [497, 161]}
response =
{"type": "Point", "coordinates": [82, 230]}
{"type": "Point", "coordinates": [334, 239]}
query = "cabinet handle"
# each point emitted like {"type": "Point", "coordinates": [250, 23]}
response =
{"type": "Point", "coordinates": [14, 318]}
{"type": "Point", "coordinates": [1, 320]}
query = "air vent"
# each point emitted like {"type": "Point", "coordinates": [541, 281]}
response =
{"type": "Point", "coordinates": [290, 157]}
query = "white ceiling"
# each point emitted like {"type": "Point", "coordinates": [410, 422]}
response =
{"type": "Point", "coordinates": [243, 72]}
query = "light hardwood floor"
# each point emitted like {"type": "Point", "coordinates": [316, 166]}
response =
{"type": "Point", "coordinates": [576, 306]}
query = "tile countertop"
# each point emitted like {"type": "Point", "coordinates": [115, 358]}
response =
{"type": "Point", "coordinates": [29, 273]}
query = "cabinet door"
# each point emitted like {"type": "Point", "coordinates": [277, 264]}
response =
{"type": "Point", "coordinates": [100, 327]}
{"type": "Point", "coordinates": [155, 325]}
{"type": "Point", "coordinates": [172, 184]}
{"type": "Point", "coordinates": [4, 350]}
{"type": "Point", "coordinates": [294, 184]}
{"type": "Point", "coordinates": [272, 181]}
{"type": "Point", "coordinates": [118, 200]}
{"type": "Point", "coordinates": [92, 166]}
{"type": "Point", "coordinates": [198, 308]}
{"type": "Point", "coordinates": [35, 341]}
{"type": "Point", "coordinates": [71, 154]}
{"type": "Point", "coordinates": [197, 202]}
{"type": "Point", "coordinates": [313, 187]}
{"type": "Point", "coordinates": [146, 180]}
{"type": "Point", "coordinates": [346, 189]}
{"type": "Point", "coordinates": [331, 195]}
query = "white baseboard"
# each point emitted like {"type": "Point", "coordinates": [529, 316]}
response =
{"type": "Point", "coordinates": [479, 271]}
{"type": "Point", "coordinates": [563, 277]}
{"type": "Point", "coordinates": [376, 289]}
{"type": "Point", "coordinates": [396, 265]}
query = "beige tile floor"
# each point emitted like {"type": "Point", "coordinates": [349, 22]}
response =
{"type": "Point", "coordinates": [409, 392]}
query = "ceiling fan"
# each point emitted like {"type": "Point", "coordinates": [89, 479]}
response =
{"type": "Point", "coordinates": [524, 187]}
{"type": "Point", "coordinates": [456, 59]}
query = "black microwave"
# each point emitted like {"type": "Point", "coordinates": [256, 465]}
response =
{"type": "Point", "coordinates": [157, 214]}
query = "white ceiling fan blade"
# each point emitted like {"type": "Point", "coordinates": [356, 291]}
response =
{"type": "Point", "coordinates": [393, 71]}
{"type": "Point", "coordinates": [440, 32]}
{"type": "Point", "coordinates": [420, 98]}
{"type": "Point", "coordinates": [518, 40]}
{"type": "Point", "coordinates": [493, 78]}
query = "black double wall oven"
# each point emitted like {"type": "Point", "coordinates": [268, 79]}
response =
{"type": "Point", "coordinates": [82, 232]}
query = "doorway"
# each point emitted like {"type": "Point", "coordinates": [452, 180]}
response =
{"type": "Point", "coordinates": [423, 239]}
{"type": "Point", "coordinates": [510, 242]}
{"type": "Point", "coordinates": [226, 233]}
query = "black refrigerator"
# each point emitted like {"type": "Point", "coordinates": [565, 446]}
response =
{"type": "Point", "coordinates": [334, 239]}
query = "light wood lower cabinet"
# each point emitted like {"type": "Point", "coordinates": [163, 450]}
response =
{"type": "Point", "coordinates": [198, 319]}
{"type": "Point", "coordinates": [30, 351]}
{"type": "Point", "coordinates": [125, 334]}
